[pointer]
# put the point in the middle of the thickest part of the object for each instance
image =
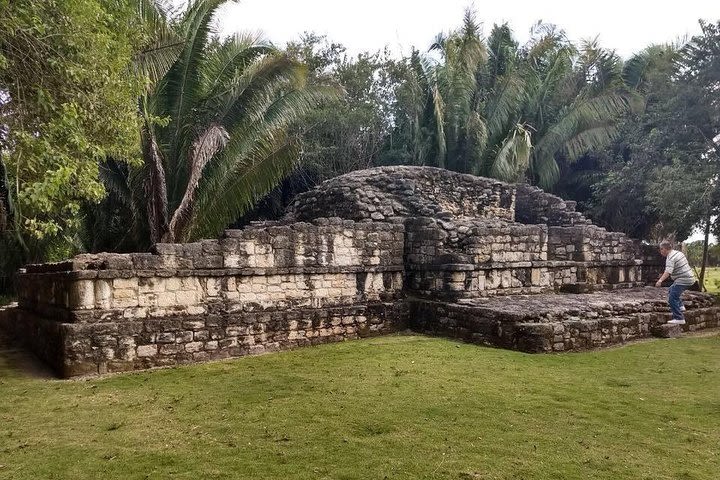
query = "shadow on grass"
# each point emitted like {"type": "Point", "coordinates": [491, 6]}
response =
{"type": "Point", "coordinates": [16, 361]}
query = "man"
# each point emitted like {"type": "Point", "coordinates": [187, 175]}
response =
{"type": "Point", "coordinates": [677, 267]}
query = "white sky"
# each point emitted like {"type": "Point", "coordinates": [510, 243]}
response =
{"type": "Point", "coordinates": [624, 25]}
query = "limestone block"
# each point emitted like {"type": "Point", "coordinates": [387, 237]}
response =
{"type": "Point", "coordinates": [82, 294]}
{"type": "Point", "coordinates": [135, 312]}
{"type": "Point", "coordinates": [147, 351]}
{"type": "Point", "coordinates": [151, 285]}
{"type": "Point", "coordinates": [244, 285]}
{"type": "Point", "coordinates": [262, 261]}
{"type": "Point", "coordinates": [184, 336]}
{"type": "Point", "coordinates": [535, 277]}
{"type": "Point", "coordinates": [233, 260]}
{"type": "Point", "coordinates": [201, 335]}
{"type": "Point", "coordinates": [172, 284]}
{"type": "Point", "coordinates": [147, 300]}
{"type": "Point", "coordinates": [125, 298]}
{"type": "Point", "coordinates": [170, 349]}
{"type": "Point", "coordinates": [195, 310]}
{"type": "Point", "coordinates": [212, 287]}
{"type": "Point", "coordinates": [165, 337]}
{"type": "Point", "coordinates": [506, 279]}
{"type": "Point", "coordinates": [125, 283]}
{"type": "Point", "coordinates": [187, 298]}
{"type": "Point", "coordinates": [103, 294]}
{"type": "Point", "coordinates": [166, 299]}
{"type": "Point", "coordinates": [193, 347]}
{"type": "Point", "coordinates": [480, 281]}
{"type": "Point", "coordinates": [193, 324]}
{"type": "Point", "coordinates": [666, 330]}
{"type": "Point", "coordinates": [190, 283]}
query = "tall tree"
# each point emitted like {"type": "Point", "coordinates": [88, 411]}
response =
{"type": "Point", "coordinates": [66, 102]}
{"type": "Point", "coordinates": [215, 134]}
{"type": "Point", "coordinates": [70, 74]}
{"type": "Point", "coordinates": [661, 177]}
{"type": "Point", "coordinates": [490, 107]}
{"type": "Point", "coordinates": [347, 134]}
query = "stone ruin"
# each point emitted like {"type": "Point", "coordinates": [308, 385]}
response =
{"type": "Point", "coordinates": [368, 253]}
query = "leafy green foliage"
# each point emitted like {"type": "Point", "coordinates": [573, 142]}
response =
{"type": "Point", "coordinates": [660, 177]}
{"type": "Point", "coordinates": [67, 103]}
{"type": "Point", "coordinates": [216, 135]}
{"type": "Point", "coordinates": [493, 108]}
{"type": "Point", "coordinates": [347, 134]}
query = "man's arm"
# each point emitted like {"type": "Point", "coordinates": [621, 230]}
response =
{"type": "Point", "coordinates": [662, 278]}
{"type": "Point", "coordinates": [669, 267]}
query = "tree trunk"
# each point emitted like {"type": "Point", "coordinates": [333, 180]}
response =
{"type": "Point", "coordinates": [155, 191]}
{"type": "Point", "coordinates": [5, 219]}
{"type": "Point", "coordinates": [201, 152]}
{"type": "Point", "coordinates": [705, 253]}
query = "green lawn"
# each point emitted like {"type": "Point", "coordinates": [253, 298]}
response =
{"type": "Point", "coordinates": [712, 279]}
{"type": "Point", "coordinates": [395, 407]}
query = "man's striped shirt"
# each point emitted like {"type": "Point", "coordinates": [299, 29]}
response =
{"type": "Point", "coordinates": [679, 269]}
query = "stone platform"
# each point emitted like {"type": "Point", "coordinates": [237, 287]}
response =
{"type": "Point", "coordinates": [368, 253]}
{"type": "Point", "coordinates": [562, 322]}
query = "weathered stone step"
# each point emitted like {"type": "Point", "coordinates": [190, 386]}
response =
{"type": "Point", "coordinates": [556, 323]}
{"type": "Point", "coordinates": [666, 330]}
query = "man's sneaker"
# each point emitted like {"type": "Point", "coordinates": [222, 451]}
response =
{"type": "Point", "coordinates": [676, 321]}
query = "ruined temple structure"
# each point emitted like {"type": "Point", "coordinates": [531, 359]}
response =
{"type": "Point", "coordinates": [368, 253]}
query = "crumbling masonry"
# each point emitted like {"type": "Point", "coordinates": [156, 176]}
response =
{"type": "Point", "coordinates": [368, 253]}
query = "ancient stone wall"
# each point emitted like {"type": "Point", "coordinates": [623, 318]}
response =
{"type": "Point", "coordinates": [475, 257]}
{"type": "Point", "coordinates": [431, 241]}
{"type": "Point", "coordinates": [382, 193]}
{"type": "Point", "coordinates": [259, 289]}
{"type": "Point", "coordinates": [589, 243]}
{"type": "Point", "coordinates": [534, 206]}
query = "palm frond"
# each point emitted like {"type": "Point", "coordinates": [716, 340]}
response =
{"type": "Point", "coordinates": [203, 149]}
{"type": "Point", "coordinates": [155, 59]}
{"type": "Point", "coordinates": [179, 90]}
{"type": "Point", "coordinates": [585, 114]}
{"type": "Point", "coordinates": [222, 64]}
{"type": "Point", "coordinates": [438, 106]}
{"type": "Point", "coordinates": [477, 133]}
{"type": "Point", "coordinates": [243, 172]}
{"type": "Point", "coordinates": [513, 157]}
{"type": "Point", "coordinates": [634, 69]}
{"type": "Point", "coordinates": [253, 176]}
{"type": "Point", "coordinates": [590, 138]}
{"type": "Point", "coordinates": [502, 109]}
{"type": "Point", "coordinates": [249, 92]}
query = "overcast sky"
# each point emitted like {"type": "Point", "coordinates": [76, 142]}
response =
{"type": "Point", "coordinates": [624, 25]}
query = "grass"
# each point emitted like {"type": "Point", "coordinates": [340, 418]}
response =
{"type": "Point", "coordinates": [712, 279]}
{"type": "Point", "coordinates": [399, 407]}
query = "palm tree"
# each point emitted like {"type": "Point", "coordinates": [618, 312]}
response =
{"type": "Point", "coordinates": [490, 107]}
{"type": "Point", "coordinates": [215, 132]}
